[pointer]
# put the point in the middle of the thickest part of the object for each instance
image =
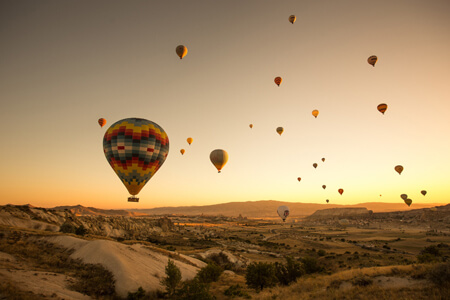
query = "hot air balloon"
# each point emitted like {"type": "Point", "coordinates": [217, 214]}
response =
{"type": "Point", "coordinates": [315, 113]}
{"type": "Point", "coordinates": [278, 80]}
{"type": "Point", "coordinates": [408, 202]}
{"type": "Point", "coordinates": [404, 196]}
{"type": "Point", "coordinates": [181, 51]}
{"type": "Point", "coordinates": [423, 192]}
{"type": "Point", "coordinates": [399, 169]}
{"type": "Point", "coordinates": [182, 151]}
{"type": "Point", "coordinates": [314, 165]}
{"type": "Point", "coordinates": [323, 159]}
{"type": "Point", "coordinates": [292, 18]}
{"type": "Point", "coordinates": [251, 125]}
{"type": "Point", "coordinates": [299, 178]}
{"type": "Point", "coordinates": [189, 140]}
{"type": "Point", "coordinates": [280, 130]}
{"type": "Point", "coordinates": [219, 158]}
{"type": "Point", "coordinates": [382, 107]}
{"type": "Point", "coordinates": [283, 212]}
{"type": "Point", "coordinates": [324, 186]}
{"type": "Point", "coordinates": [328, 200]}
{"type": "Point", "coordinates": [340, 191]}
{"type": "Point", "coordinates": [372, 60]}
{"type": "Point", "coordinates": [135, 149]}
{"type": "Point", "coordinates": [101, 122]}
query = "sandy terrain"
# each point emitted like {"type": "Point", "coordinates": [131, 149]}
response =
{"type": "Point", "coordinates": [133, 266]}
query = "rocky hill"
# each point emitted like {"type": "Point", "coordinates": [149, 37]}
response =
{"type": "Point", "coordinates": [115, 226]}
{"type": "Point", "coordinates": [341, 213]}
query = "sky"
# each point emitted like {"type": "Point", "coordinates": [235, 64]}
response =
{"type": "Point", "coordinates": [65, 64]}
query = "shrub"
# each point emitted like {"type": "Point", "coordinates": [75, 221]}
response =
{"type": "Point", "coordinates": [362, 281]}
{"type": "Point", "coordinates": [210, 273]}
{"type": "Point", "coordinates": [173, 278]}
{"type": "Point", "coordinates": [221, 259]}
{"type": "Point", "coordinates": [321, 252]}
{"type": "Point", "coordinates": [440, 275]}
{"type": "Point", "coordinates": [260, 275]}
{"type": "Point", "coordinates": [236, 291]}
{"type": "Point", "coordinates": [289, 272]}
{"type": "Point", "coordinates": [311, 265]}
{"type": "Point", "coordinates": [67, 228]}
{"type": "Point", "coordinates": [194, 290]}
{"type": "Point", "coordinates": [81, 230]}
{"type": "Point", "coordinates": [139, 294]}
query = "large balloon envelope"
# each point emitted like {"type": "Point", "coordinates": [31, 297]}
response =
{"type": "Point", "coordinates": [283, 212]}
{"type": "Point", "coordinates": [135, 149]}
{"type": "Point", "coordinates": [219, 158]}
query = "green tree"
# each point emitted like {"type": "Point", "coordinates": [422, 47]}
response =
{"type": "Point", "coordinates": [311, 265]}
{"type": "Point", "coordinates": [67, 228]}
{"type": "Point", "coordinates": [288, 272]}
{"type": "Point", "coordinates": [194, 290]}
{"type": "Point", "coordinates": [260, 275]}
{"type": "Point", "coordinates": [173, 278]}
{"type": "Point", "coordinates": [81, 230]}
{"type": "Point", "coordinates": [210, 273]}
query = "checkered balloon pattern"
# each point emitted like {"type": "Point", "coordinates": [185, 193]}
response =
{"type": "Point", "coordinates": [135, 149]}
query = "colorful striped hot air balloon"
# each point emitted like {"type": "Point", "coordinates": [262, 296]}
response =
{"type": "Point", "coordinates": [135, 149]}
{"type": "Point", "coordinates": [382, 107]}
{"type": "Point", "coordinates": [101, 122]}
{"type": "Point", "coordinates": [278, 80]}
{"type": "Point", "coordinates": [372, 60]}
{"type": "Point", "coordinates": [292, 18]}
{"type": "Point", "coordinates": [219, 158]}
{"type": "Point", "coordinates": [181, 51]}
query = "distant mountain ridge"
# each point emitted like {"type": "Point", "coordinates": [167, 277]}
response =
{"type": "Point", "coordinates": [80, 210]}
{"type": "Point", "coordinates": [267, 208]}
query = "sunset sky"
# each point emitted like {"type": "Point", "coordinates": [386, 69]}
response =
{"type": "Point", "coordinates": [65, 64]}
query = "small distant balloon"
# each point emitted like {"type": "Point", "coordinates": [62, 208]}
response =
{"type": "Point", "coordinates": [340, 191]}
{"type": "Point", "coordinates": [315, 113]}
{"type": "Point", "coordinates": [283, 212]}
{"type": "Point", "coordinates": [382, 107]}
{"type": "Point", "coordinates": [219, 158]}
{"type": "Point", "coordinates": [181, 51]}
{"type": "Point", "coordinates": [408, 202]}
{"type": "Point", "coordinates": [292, 18]}
{"type": "Point", "coordinates": [101, 122]}
{"type": "Point", "coordinates": [280, 130]}
{"type": "Point", "coordinates": [251, 126]}
{"type": "Point", "coordinates": [299, 178]}
{"type": "Point", "coordinates": [323, 159]}
{"type": "Point", "coordinates": [372, 60]}
{"type": "Point", "coordinates": [423, 192]}
{"type": "Point", "coordinates": [404, 196]}
{"type": "Point", "coordinates": [182, 151]}
{"type": "Point", "coordinates": [324, 186]}
{"type": "Point", "coordinates": [328, 200]}
{"type": "Point", "coordinates": [278, 80]}
{"type": "Point", "coordinates": [314, 165]}
{"type": "Point", "coordinates": [189, 140]}
{"type": "Point", "coordinates": [399, 169]}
